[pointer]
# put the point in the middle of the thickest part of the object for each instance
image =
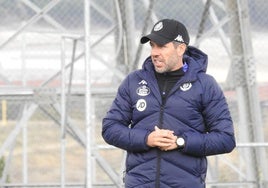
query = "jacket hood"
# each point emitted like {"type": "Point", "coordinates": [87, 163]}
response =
{"type": "Point", "coordinates": [195, 58]}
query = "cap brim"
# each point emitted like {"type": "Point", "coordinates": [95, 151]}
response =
{"type": "Point", "coordinates": [155, 38]}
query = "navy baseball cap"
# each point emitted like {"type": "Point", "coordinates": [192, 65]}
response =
{"type": "Point", "coordinates": [167, 30]}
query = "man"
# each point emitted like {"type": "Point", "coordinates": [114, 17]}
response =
{"type": "Point", "coordinates": [169, 115]}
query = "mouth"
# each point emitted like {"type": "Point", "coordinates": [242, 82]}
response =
{"type": "Point", "coordinates": [158, 63]}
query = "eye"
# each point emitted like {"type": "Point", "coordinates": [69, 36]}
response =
{"type": "Point", "coordinates": [154, 45]}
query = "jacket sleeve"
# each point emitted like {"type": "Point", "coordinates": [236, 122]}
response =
{"type": "Point", "coordinates": [219, 137]}
{"type": "Point", "coordinates": [116, 129]}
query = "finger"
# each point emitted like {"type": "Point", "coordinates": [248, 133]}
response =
{"type": "Point", "coordinates": [167, 148]}
{"type": "Point", "coordinates": [164, 143]}
{"type": "Point", "coordinates": [165, 131]}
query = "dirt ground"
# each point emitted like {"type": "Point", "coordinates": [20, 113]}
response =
{"type": "Point", "coordinates": [44, 157]}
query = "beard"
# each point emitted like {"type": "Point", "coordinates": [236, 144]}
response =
{"type": "Point", "coordinates": [163, 67]}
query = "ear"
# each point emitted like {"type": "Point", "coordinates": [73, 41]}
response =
{"type": "Point", "coordinates": [181, 49]}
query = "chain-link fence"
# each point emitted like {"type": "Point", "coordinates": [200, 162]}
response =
{"type": "Point", "coordinates": [43, 123]}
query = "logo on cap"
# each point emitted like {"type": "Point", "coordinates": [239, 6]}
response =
{"type": "Point", "coordinates": [179, 38]}
{"type": "Point", "coordinates": [158, 26]}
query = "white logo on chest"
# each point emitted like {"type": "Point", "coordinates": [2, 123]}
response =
{"type": "Point", "coordinates": [141, 105]}
{"type": "Point", "coordinates": [186, 86]}
{"type": "Point", "coordinates": [143, 90]}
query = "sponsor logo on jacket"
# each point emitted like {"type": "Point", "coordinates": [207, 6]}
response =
{"type": "Point", "coordinates": [143, 89]}
{"type": "Point", "coordinates": [186, 86]}
{"type": "Point", "coordinates": [141, 105]}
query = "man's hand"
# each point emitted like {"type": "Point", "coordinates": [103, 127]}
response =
{"type": "Point", "coordinates": [163, 139]}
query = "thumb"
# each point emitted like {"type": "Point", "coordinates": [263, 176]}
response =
{"type": "Point", "coordinates": [156, 128]}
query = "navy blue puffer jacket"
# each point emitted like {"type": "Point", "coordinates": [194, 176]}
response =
{"type": "Point", "coordinates": [195, 109]}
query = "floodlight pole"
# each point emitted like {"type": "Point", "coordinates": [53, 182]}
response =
{"type": "Point", "coordinates": [88, 93]}
{"type": "Point", "coordinates": [243, 65]}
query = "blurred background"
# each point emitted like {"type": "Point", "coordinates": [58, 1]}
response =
{"type": "Point", "coordinates": [61, 62]}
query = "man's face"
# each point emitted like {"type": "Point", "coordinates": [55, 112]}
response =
{"type": "Point", "coordinates": [166, 58]}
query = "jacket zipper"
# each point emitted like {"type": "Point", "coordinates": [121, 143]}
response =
{"type": "Point", "coordinates": [163, 95]}
{"type": "Point", "coordinates": [157, 183]}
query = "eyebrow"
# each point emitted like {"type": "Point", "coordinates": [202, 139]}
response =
{"type": "Point", "coordinates": [155, 44]}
